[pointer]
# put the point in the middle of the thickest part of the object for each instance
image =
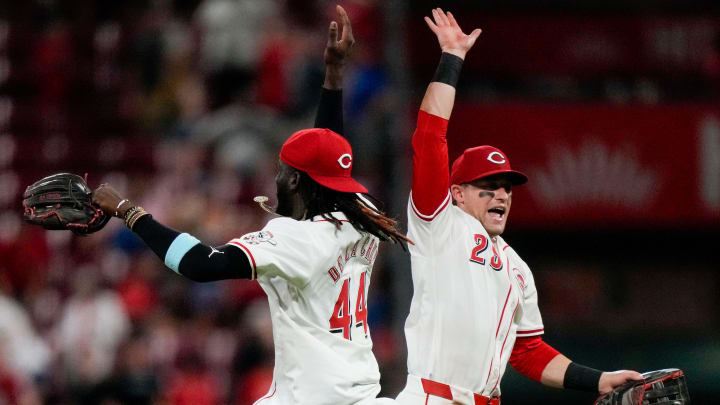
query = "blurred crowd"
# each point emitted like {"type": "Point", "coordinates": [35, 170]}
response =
{"type": "Point", "coordinates": [182, 106]}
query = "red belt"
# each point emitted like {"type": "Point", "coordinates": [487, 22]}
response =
{"type": "Point", "coordinates": [443, 391]}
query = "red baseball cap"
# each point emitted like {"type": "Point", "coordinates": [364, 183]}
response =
{"type": "Point", "coordinates": [483, 161]}
{"type": "Point", "coordinates": [325, 156]}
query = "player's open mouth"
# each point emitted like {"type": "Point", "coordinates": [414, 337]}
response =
{"type": "Point", "coordinates": [497, 213]}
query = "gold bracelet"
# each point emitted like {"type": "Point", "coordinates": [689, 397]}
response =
{"type": "Point", "coordinates": [137, 216]}
{"type": "Point", "coordinates": [130, 211]}
{"type": "Point", "coordinates": [136, 213]}
{"type": "Point", "coordinates": [132, 215]}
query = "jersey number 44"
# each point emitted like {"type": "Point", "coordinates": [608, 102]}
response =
{"type": "Point", "coordinates": [341, 319]}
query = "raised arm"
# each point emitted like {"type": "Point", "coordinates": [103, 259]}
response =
{"type": "Point", "coordinates": [440, 95]}
{"type": "Point", "coordinates": [431, 174]}
{"type": "Point", "coordinates": [337, 53]}
{"type": "Point", "coordinates": [181, 252]}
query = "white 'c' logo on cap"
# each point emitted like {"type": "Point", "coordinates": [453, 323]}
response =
{"type": "Point", "coordinates": [345, 161]}
{"type": "Point", "coordinates": [496, 155]}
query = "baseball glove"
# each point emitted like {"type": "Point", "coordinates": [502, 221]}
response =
{"type": "Point", "coordinates": [660, 387]}
{"type": "Point", "coordinates": [63, 201]}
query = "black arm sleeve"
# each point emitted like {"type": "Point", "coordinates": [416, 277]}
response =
{"type": "Point", "coordinates": [201, 263]}
{"type": "Point", "coordinates": [157, 236]}
{"type": "Point", "coordinates": [330, 111]}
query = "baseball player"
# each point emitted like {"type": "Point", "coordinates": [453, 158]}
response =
{"type": "Point", "coordinates": [474, 306]}
{"type": "Point", "coordinates": [314, 262]}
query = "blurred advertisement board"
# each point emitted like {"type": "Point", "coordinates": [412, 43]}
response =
{"type": "Point", "coordinates": [598, 165]}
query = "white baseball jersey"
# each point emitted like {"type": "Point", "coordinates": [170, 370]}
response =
{"type": "Point", "coordinates": [472, 296]}
{"type": "Point", "coordinates": [316, 278]}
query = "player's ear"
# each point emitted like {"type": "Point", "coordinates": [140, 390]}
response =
{"type": "Point", "coordinates": [294, 180]}
{"type": "Point", "coordinates": [458, 193]}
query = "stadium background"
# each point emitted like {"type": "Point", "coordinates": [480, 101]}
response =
{"type": "Point", "coordinates": [612, 108]}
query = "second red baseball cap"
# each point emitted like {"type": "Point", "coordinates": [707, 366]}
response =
{"type": "Point", "coordinates": [325, 156]}
{"type": "Point", "coordinates": [483, 161]}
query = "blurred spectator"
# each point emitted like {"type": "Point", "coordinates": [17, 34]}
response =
{"type": "Point", "coordinates": [163, 340]}
{"type": "Point", "coordinates": [22, 350]}
{"type": "Point", "coordinates": [91, 328]}
{"type": "Point", "coordinates": [16, 389]}
{"type": "Point", "coordinates": [711, 66]}
{"type": "Point", "coordinates": [135, 382]}
{"type": "Point", "coordinates": [52, 65]}
{"type": "Point", "coordinates": [253, 363]}
{"type": "Point", "coordinates": [137, 290]}
{"type": "Point", "coordinates": [25, 255]}
{"type": "Point", "coordinates": [187, 100]}
{"type": "Point", "coordinates": [193, 384]}
{"type": "Point", "coordinates": [232, 32]}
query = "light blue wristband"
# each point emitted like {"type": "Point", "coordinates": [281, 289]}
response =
{"type": "Point", "coordinates": [178, 248]}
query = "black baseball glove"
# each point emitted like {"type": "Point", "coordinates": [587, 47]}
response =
{"type": "Point", "coordinates": [63, 201]}
{"type": "Point", "coordinates": [660, 387]}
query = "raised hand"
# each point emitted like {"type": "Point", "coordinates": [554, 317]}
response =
{"type": "Point", "coordinates": [449, 34]}
{"type": "Point", "coordinates": [337, 52]}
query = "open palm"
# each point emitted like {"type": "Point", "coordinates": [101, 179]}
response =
{"type": "Point", "coordinates": [338, 52]}
{"type": "Point", "coordinates": [449, 34]}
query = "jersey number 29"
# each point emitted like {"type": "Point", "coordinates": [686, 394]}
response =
{"type": "Point", "coordinates": [341, 320]}
{"type": "Point", "coordinates": [481, 245]}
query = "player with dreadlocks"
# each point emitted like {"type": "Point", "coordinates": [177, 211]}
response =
{"type": "Point", "coordinates": [314, 261]}
{"type": "Point", "coordinates": [361, 213]}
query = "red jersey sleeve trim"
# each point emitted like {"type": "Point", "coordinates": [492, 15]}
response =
{"type": "Point", "coordinates": [432, 216]}
{"type": "Point", "coordinates": [530, 332]}
{"type": "Point", "coordinates": [248, 254]}
{"type": "Point", "coordinates": [531, 355]}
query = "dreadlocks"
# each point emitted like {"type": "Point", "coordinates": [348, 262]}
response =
{"type": "Point", "coordinates": [362, 215]}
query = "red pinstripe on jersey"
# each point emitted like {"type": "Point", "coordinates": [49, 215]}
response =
{"type": "Point", "coordinates": [249, 254]}
{"type": "Point", "coordinates": [502, 314]}
{"type": "Point", "coordinates": [490, 370]}
{"type": "Point", "coordinates": [505, 341]}
{"type": "Point", "coordinates": [507, 268]}
{"type": "Point", "coordinates": [432, 216]}
{"type": "Point", "coordinates": [431, 172]}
